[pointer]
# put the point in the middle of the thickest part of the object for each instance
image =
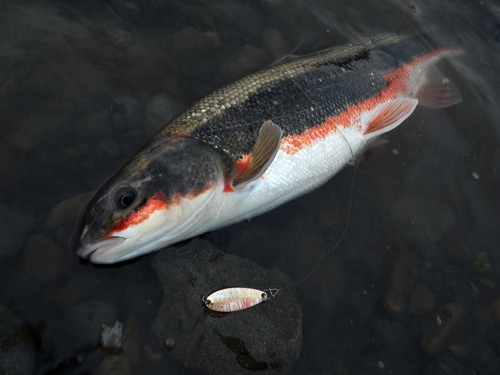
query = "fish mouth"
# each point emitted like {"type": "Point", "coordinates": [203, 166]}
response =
{"type": "Point", "coordinates": [95, 249]}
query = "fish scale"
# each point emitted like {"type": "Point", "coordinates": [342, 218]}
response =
{"type": "Point", "coordinates": [328, 81]}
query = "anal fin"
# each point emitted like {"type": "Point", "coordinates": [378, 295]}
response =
{"type": "Point", "coordinates": [390, 115]}
{"type": "Point", "coordinates": [263, 153]}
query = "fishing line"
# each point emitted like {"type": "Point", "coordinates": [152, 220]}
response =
{"type": "Point", "coordinates": [190, 329]}
{"type": "Point", "coordinates": [332, 249]}
{"type": "Point", "coordinates": [241, 298]}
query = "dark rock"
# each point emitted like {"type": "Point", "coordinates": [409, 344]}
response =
{"type": "Point", "coordinates": [17, 348]}
{"type": "Point", "coordinates": [44, 259]}
{"type": "Point", "coordinates": [136, 11]}
{"type": "Point", "coordinates": [396, 297]}
{"type": "Point", "coordinates": [191, 43]}
{"type": "Point", "coordinates": [395, 353]}
{"type": "Point", "coordinates": [274, 43]}
{"type": "Point", "coordinates": [484, 320]}
{"type": "Point", "coordinates": [14, 226]}
{"type": "Point", "coordinates": [126, 113]}
{"type": "Point", "coordinates": [446, 366]}
{"type": "Point", "coordinates": [160, 111]}
{"type": "Point", "coordinates": [482, 359]}
{"type": "Point", "coordinates": [81, 328]}
{"type": "Point", "coordinates": [443, 328]}
{"type": "Point", "coordinates": [249, 59]}
{"type": "Point", "coordinates": [495, 309]}
{"type": "Point", "coordinates": [421, 220]}
{"type": "Point", "coordinates": [266, 338]}
{"type": "Point", "coordinates": [129, 351]}
{"type": "Point", "coordinates": [61, 220]}
{"type": "Point", "coordinates": [390, 332]}
{"type": "Point", "coordinates": [421, 300]}
{"type": "Point", "coordinates": [243, 17]}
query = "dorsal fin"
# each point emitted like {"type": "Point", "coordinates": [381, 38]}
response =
{"type": "Point", "coordinates": [390, 115]}
{"type": "Point", "coordinates": [263, 152]}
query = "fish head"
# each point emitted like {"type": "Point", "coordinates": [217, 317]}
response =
{"type": "Point", "coordinates": [160, 197]}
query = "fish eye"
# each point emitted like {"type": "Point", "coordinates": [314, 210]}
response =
{"type": "Point", "coordinates": [125, 196]}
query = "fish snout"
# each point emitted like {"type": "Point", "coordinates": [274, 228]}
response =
{"type": "Point", "coordinates": [93, 250]}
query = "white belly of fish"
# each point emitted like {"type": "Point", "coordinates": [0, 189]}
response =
{"type": "Point", "coordinates": [288, 176]}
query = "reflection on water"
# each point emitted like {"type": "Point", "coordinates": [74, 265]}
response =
{"type": "Point", "coordinates": [412, 289]}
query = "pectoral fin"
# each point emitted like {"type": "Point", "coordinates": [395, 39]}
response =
{"type": "Point", "coordinates": [263, 153]}
{"type": "Point", "coordinates": [390, 115]}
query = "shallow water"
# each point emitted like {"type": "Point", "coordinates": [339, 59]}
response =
{"type": "Point", "coordinates": [413, 286]}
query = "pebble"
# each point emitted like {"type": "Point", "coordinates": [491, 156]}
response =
{"type": "Point", "coordinates": [43, 259]}
{"type": "Point", "coordinates": [443, 328]}
{"type": "Point", "coordinates": [17, 347]}
{"type": "Point", "coordinates": [421, 300]}
{"type": "Point", "coordinates": [126, 113]}
{"type": "Point", "coordinates": [394, 351]}
{"type": "Point", "coordinates": [122, 359]}
{"type": "Point", "coordinates": [243, 17]}
{"type": "Point", "coordinates": [160, 110]}
{"type": "Point", "coordinates": [446, 366]}
{"type": "Point", "coordinates": [136, 11]}
{"type": "Point", "coordinates": [495, 309]}
{"type": "Point", "coordinates": [265, 339]}
{"type": "Point", "coordinates": [115, 34]}
{"type": "Point", "coordinates": [249, 59]}
{"type": "Point", "coordinates": [190, 43]}
{"type": "Point", "coordinates": [82, 326]}
{"type": "Point", "coordinates": [80, 286]}
{"type": "Point", "coordinates": [396, 296]}
{"type": "Point", "coordinates": [484, 320]}
{"type": "Point", "coordinates": [61, 220]}
{"type": "Point", "coordinates": [420, 219]}
{"type": "Point", "coordinates": [274, 43]}
{"type": "Point", "coordinates": [482, 359]}
{"type": "Point", "coordinates": [111, 337]}
{"type": "Point", "coordinates": [14, 227]}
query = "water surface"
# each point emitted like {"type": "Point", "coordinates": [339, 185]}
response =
{"type": "Point", "coordinates": [413, 285]}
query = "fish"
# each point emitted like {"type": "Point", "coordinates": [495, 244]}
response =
{"type": "Point", "coordinates": [237, 298]}
{"type": "Point", "coordinates": [262, 141]}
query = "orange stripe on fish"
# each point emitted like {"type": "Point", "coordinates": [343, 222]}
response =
{"type": "Point", "coordinates": [241, 166]}
{"type": "Point", "coordinates": [156, 202]}
{"type": "Point", "coordinates": [397, 81]}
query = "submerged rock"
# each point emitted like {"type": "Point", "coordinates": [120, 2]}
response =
{"type": "Point", "coordinates": [111, 337]}
{"type": "Point", "coordinates": [126, 113]}
{"type": "Point", "coordinates": [264, 338]}
{"type": "Point", "coordinates": [122, 348]}
{"type": "Point", "coordinates": [43, 259]}
{"type": "Point", "coordinates": [61, 220]}
{"type": "Point", "coordinates": [81, 327]}
{"type": "Point", "coordinates": [17, 348]}
{"type": "Point", "coordinates": [14, 226]}
{"type": "Point", "coordinates": [482, 358]}
{"type": "Point", "coordinates": [421, 300]}
{"type": "Point", "coordinates": [421, 220]}
{"type": "Point", "coordinates": [160, 110]}
{"type": "Point", "coordinates": [443, 329]}
{"type": "Point", "coordinates": [446, 366]}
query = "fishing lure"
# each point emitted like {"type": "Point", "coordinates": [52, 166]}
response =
{"type": "Point", "coordinates": [237, 298]}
